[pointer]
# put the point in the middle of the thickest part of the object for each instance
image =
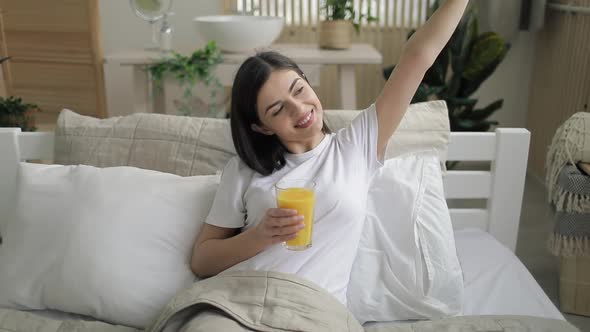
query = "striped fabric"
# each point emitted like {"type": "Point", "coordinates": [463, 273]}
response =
{"type": "Point", "coordinates": [572, 224]}
{"type": "Point", "coordinates": [571, 232]}
{"type": "Point", "coordinates": [573, 180]}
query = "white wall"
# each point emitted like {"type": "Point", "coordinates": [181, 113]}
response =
{"type": "Point", "coordinates": [121, 30]}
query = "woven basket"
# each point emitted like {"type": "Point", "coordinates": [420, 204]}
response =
{"type": "Point", "coordinates": [335, 34]}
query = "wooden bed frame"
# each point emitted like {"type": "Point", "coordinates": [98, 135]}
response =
{"type": "Point", "coordinates": [502, 186]}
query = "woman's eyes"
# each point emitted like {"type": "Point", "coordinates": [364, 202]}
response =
{"type": "Point", "coordinates": [278, 111]}
{"type": "Point", "coordinates": [298, 91]}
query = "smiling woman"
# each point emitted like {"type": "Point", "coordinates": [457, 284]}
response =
{"type": "Point", "coordinates": [298, 108]}
{"type": "Point", "coordinates": [278, 130]}
{"type": "Point", "coordinates": [266, 90]}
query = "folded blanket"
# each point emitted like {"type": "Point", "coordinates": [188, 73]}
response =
{"type": "Point", "coordinates": [255, 301]}
{"type": "Point", "coordinates": [570, 145]}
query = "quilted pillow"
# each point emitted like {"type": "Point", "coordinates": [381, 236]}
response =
{"type": "Point", "coordinates": [189, 146]}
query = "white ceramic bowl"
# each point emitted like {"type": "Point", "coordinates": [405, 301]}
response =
{"type": "Point", "coordinates": [239, 33]}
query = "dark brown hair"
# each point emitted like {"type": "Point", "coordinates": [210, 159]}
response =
{"type": "Point", "coordinates": [262, 153]}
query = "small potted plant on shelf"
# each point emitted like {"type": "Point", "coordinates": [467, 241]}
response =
{"type": "Point", "coordinates": [189, 74]}
{"type": "Point", "coordinates": [340, 19]}
{"type": "Point", "coordinates": [14, 113]}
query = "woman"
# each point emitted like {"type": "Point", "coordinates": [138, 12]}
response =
{"type": "Point", "coordinates": [278, 132]}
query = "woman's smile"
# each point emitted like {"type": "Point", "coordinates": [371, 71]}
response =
{"type": "Point", "coordinates": [307, 120]}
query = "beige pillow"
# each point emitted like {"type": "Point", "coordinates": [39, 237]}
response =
{"type": "Point", "coordinates": [425, 126]}
{"type": "Point", "coordinates": [189, 146]}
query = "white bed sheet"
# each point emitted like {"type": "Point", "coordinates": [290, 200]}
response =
{"type": "Point", "coordinates": [496, 282]}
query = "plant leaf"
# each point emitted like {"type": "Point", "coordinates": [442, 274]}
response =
{"type": "Point", "coordinates": [188, 70]}
{"type": "Point", "coordinates": [424, 92]}
{"type": "Point", "coordinates": [484, 113]}
{"type": "Point", "coordinates": [486, 50]}
{"type": "Point", "coordinates": [471, 125]}
{"type": "Point", "coordinates": [470, 86]}
{"type": "Point", "coordinates": [461, 101]}
{"type": "Point", "coordinates": [436, 74]}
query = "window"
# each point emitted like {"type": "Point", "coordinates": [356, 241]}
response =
{"type": "Point", "coordinates": [391, 13]}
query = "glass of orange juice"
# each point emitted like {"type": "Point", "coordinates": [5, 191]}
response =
{"type": "Point", "coordinates": [298, 195]}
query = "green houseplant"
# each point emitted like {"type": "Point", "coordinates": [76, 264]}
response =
{"type": "Point", "coordinates": [468, 59]}
{"type": "Point", "coordinates": [340, 16]}
{"type": "Point", "coordinates": [188, 72]}
{"type": "Point", "coordinates": [15, 113]}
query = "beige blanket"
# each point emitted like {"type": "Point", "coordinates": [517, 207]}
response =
{"type": "Point", "coordinates": [255, 301]}
{"type": "Point", "coordinates": [23, 321]}
{"type": "Point", "coordinates": [269, 301]}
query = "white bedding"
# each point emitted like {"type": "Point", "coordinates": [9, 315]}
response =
{"type": "Point", "coordinates": [496, 282]}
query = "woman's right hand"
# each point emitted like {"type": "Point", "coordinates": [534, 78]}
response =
{"type": "Point", "coordinates": [278, 225]}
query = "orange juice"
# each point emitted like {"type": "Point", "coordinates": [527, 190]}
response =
{"type": "Point", "coordinates": [302, 200]}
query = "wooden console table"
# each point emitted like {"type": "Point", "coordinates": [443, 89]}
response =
{"type": "Point", "coordinates": [308, 56]}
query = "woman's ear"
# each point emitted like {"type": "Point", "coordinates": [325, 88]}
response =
{"type": "Point", "coordinates": [261, 130]}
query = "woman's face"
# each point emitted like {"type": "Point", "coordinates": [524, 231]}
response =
{"type": "Point", "coordinates": [288, 107]}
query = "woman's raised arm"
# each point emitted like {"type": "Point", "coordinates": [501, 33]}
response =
{"type": "Point", "coordinates": [418, 55]}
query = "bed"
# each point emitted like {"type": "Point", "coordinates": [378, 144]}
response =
{"type": "Point", "coordinates": [496, 282]}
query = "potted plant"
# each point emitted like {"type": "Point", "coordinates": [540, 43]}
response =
{"type": "Point", "coordinates": [340, 19]}
{"type": "Point", "coordinates": [187, 74]}
{"type": "Point", "coordinates": [14, 113]}
{"type": "Point", "coordinates": [464, 64]}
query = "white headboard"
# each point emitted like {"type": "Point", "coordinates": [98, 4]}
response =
{"type": "Point", "coordinates": [502, 186]}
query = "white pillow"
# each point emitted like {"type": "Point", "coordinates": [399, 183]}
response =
{"type": "Point", "coordinates": [406, 265]}
{"type": "Point", "coordinates": [112, 243]}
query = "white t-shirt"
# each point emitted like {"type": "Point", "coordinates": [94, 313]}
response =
{"type": "Point", "coordinates": [341, 165]}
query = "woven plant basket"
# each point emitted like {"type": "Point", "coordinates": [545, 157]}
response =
{"type": "Point", "coordinates": [336, 35]}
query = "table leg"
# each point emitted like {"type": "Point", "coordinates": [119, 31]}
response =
{"type": "Point", "coordinates": [347, 83]}
{"type": "Point", "coordinates": [141, 90]}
